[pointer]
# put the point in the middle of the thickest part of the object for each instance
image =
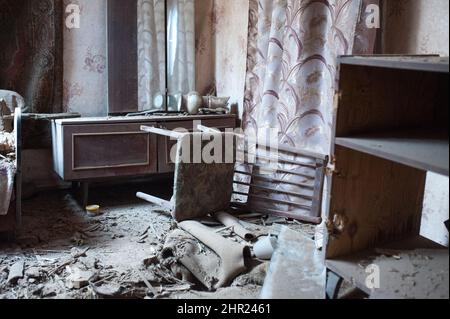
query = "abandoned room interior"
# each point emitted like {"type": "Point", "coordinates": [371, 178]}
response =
{"type": "Point", "coordinates": [224, 149]}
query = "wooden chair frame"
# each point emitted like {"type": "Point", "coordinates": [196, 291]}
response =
{"type": "Point", "coordinates": [317, 166]}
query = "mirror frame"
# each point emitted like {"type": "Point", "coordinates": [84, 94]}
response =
{"type": "Point", "coordinates": [122, 53]}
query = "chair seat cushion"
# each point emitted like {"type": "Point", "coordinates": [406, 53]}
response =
{"type": "Point", "coordinates": [201, 189]}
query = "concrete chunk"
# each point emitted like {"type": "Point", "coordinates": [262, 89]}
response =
{"type": "Point", "coordinates": [297, 269]}
{"type": "Point", "coordinates": [16, 272]}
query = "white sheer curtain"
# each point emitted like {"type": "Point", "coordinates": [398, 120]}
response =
{"type": "Point", "coordinates": [151, 50]}
{"type": "Point", "coordinates": [181, 46]}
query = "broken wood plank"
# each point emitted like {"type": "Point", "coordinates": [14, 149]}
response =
{"type": "Point", "coordinates": [147, 283]}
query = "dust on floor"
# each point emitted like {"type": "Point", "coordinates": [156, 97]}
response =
{"type": "Point", "coordinates": [64, 253]}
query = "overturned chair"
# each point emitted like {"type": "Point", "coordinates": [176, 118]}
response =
{"type": "Point", "coordinates": [245, 175]}
{"type": "Point", "coordinates": [204, 173]}
{"type": "Point", "coordinates": [203, 180]}
{"type": "Point", "coordinates": [281, 181]}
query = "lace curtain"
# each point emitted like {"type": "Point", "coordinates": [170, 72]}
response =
{"type": "Point", "coordinates": [181, 46]}
{"type": "Point", "coordinates": [152, 51]}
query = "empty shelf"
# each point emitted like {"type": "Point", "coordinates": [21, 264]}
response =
{"type": "Point", "coordinates": [410, 269]}
{"type": "Point", "coordinates": [416, 63]}
{"type": "Point", "coordinates": [422, 150]}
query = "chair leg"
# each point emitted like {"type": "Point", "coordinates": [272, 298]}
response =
{"type": "Point", "coordinates": [155, 200]}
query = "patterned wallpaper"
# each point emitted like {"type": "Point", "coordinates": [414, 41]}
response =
{"type": "Point", "coordinates": [203, 45]}
{"type": "Point", "coordinates": [416, 27]}
{"type": "Point", "coordinates": [230, 26]}
{"type": "Point", "coordinates": [222, 30]}
{"type": "Point", "coordinates": [85, 68]}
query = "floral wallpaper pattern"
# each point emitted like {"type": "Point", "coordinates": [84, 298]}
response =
{"type": "Point", "coordinates": [204, 46]}
{"type": "Point", "coordinates": [416, 27]}
{"type": "Point", "coordinates": [94, 62]}
{"type": "Point", "coordinates": [221, 48]}
{"type": "Point", "coordinates": [85, 69]}
{"type": "Point", "coordinates": [230, 26]}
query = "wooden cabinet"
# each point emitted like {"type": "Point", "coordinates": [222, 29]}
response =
{"type": "Point", "coordinates": [95, 148]}
{"type": "Point", "coordinates": [87, 151]}
{"type": "Point", "coordinates": [391, 129]}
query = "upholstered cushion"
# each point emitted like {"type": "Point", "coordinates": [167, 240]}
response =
{"type": "Point", "coordinates": [202, 188]}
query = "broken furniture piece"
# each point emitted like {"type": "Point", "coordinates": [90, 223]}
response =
{"type": "Point", "coordinates": [11, 168]}
{"type": "Point", "coordinates": [232, 222]}
{"type": "Point", "coordinates": [283, 181]}
{"type": "Point", "coordinates": [278, 180]}
{"type": "Point", "coordinates": [390, 131]}
{"type": "Point", "coordinates": [232, 255]}
{"type": "Point", "coordinates": [200, 188]}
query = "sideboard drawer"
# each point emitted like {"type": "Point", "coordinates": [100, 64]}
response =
{"type": "Point", "coordinates": [101, 151]}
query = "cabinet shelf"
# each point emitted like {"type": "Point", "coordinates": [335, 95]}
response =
{"type": "Point", "coordinates": [424, 150]}
{"type": "Point", "coordinates": [411, 63]}
{"type": "Point", "coordinates": [409, 269]}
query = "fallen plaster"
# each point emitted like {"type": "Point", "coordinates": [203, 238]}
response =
{"type": "Point", "coordinates": [297, 269]}
{"type": "Point", "coordinates": [232, 255]}
{"type": "Point", "coordinates": [122, 249]}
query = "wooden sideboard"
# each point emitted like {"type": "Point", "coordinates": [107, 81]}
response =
{"type": "Point", "coordinates": [87, 149]}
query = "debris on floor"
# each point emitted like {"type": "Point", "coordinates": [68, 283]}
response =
{"type": "Point", "coordinates": [285, 279]}
{"type": "Point", "coordinates": [131, 250]}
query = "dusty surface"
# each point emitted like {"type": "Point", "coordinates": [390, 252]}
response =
{"type": "Point", "coordinates": [67, 254]}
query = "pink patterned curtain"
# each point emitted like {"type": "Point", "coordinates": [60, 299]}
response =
{"type": "Point", "coordinates": [291, 72]}
{"type": "Point", "coordinates": [291, 81]}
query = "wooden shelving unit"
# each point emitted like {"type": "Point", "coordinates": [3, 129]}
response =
{"type": "Point", "coordinates": [391, 128]}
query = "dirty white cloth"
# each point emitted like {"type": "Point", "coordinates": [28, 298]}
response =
{"type": "Point", "coordinates": [7, 174]}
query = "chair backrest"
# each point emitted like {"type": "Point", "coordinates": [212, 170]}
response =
{"type": "Point", "coordinates": [285, 182]}
{"type": "Point", "coordinates": [203, 185]}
